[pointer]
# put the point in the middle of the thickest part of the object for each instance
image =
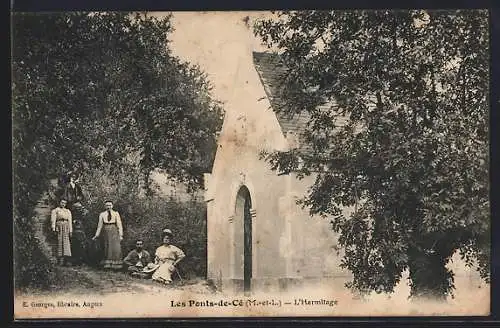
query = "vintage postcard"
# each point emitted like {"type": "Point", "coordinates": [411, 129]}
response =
{"type": "Point", "coordinates": [243, 164]}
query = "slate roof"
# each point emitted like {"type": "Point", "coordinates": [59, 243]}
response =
{"type": "Point", "coordinates": [270, 70]}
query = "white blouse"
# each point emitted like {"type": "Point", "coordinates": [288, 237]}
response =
{"type": "Point", "coordinates": [169, 252]}
{"type": "Point", "coordinates": [104, 219]}
{"type": "Point", "coordinates": [59, 213]}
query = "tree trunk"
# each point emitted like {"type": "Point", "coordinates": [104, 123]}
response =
{"type": "Point", "coordinates": [430, 279]}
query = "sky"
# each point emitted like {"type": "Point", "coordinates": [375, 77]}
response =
{"type": "Point", "coordinates": [219, 42]}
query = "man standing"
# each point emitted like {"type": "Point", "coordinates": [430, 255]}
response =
{"type": "Point", "coordinates": [73, 192]}
{"type": "Point", "coordinates": [62, 224]}
{"type": "Point", "coordinates": [110, 225]}
{"type": "Point", "coordinates": [137, 259]}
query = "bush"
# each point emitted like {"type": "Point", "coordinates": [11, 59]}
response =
{"type": "Point", "coordinates": [31, 266]}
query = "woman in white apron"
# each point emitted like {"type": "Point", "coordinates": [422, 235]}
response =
{"type": "Point", "coordinates": [167, 256]}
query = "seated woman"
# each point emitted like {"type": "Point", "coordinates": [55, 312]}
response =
{"type": "Point", "coordinates": [167, 256]}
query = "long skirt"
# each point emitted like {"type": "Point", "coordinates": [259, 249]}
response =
{"type": "Point", "coordinates": [112, 248]}
{"type": "Point", "coordinates": [63, 242]}
{"type": "Point", "coordinates": [164, 272]}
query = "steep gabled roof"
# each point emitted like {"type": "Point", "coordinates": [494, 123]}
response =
{"type": "Point", "coordinates": [270, 70]}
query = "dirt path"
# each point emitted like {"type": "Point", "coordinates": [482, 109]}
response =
{"type": "Point", "coordinates": [90, 281]}
{"type": "Point", "coordinates": [42, 214]}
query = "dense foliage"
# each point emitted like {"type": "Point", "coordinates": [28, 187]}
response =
{"type": "Point", "coordinates": [411, 153]}
{"type": "Point", "coordinates": [99, 91]}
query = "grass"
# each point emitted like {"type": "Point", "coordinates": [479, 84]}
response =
{"type": "Point", "coordinates": [87, 280]}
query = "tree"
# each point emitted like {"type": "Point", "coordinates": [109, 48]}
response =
{"type": "Point", "coordinates": [412, 154]}
{"type": "Point", "coordinates": [97, 90]}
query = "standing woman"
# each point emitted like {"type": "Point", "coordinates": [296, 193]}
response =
{"type": "Point", "coordinates": [62, 224]}
{"type": "Point", "coordinates": [110, 226]}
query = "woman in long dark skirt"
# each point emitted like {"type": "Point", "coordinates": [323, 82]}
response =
{"type": "Point", "coordinates": [111, 229]}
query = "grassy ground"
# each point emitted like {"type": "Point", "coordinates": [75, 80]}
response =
{"type": "Point", "coordinates": [88, 280]}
